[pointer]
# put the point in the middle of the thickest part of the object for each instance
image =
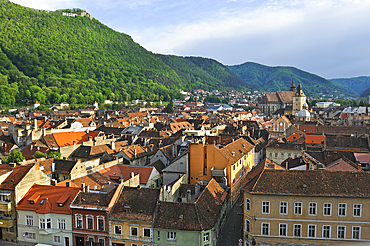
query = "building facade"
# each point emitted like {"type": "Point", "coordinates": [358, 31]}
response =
{"type": "Point", "coordinates": [306, 207]}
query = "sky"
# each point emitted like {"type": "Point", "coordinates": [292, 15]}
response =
{"type": "Point", "coordinates": [329, 38]}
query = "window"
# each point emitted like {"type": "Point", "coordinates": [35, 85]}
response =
{"type": "Point", "coordinates": [247, 226]}
{"type": "Point", "coordinates": [79, 221]}
{"type": "Point", "coordinates": [356, 210]}
{"type": "Point", "coordinates": [118, 229]}
{"type": "Point", "coordinates": [206, 237]}
{"type": "Point", "coordinates": [42, 224]}
{"type": "Point", "coordinates": [171, 235]}
{"type": "Point", "coordinates": [147, 232]}
{"type": "Point", "coordinates": [134, 244]}
{"type": "Point", "coordinates": [283, 207]}
{"type": "Point", "coordinates": [327, 209]}
{"type": "Point", "coordinates": [298, 208]}
{"type": "Point", "coordinates": [297, 231]}
{"type": "Point", "coordinates": [31, 236]}
{"type": "Point", "coordinates": [61, 224]}
{"type": "Point", "coordinates": [100, 223]}
{"type": "Point", "coordinates": [356, 230]}
{"type": "Point", "coordinates": [342, 209]}
{"type": "Point", "coordinates": [312, 208]}
{"type": "Point", "coordinates": [341, 232]}
{"type": "Point", "coordinates": [276, 155]}
{"type": "Point", "coordinates": [29, 220]}
{"type": "Point", "coordinates": [265, 229]}
{"type": "Point", "coordinates": [326, 231]}
{"type": "Point", "coordinates": [311, 230]}
{"type": "Point", "coordinates": [248, 204]}
{"type": "Point", "coordinates": [265, 207]}
{"type": "Point", "coordinates": [158, 235]}
{"type": "Point", "coordinates": [48, 223]}
{"type": "Point", "coordinates": [56, 239]}
{"type": "Point", "coordinates": [133, 231]}
{"type": "Point", "coordinates": [101, 242]}
{"type": "Point", "coordinates": [283, 230]}
{"type": "Point", "coordinates": [90, 222]}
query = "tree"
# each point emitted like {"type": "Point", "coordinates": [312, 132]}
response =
{"type": "Point", "coordinates": [38, 154]}
{"type": "Point", "coordinates": [14, 157]}
{"type": "Point", "coordinates": [169, 108]}
{"type": "Point", "coordinates": [55, 155]}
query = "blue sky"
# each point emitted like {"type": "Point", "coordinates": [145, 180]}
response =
{"type": "Point", "coordinates": [329, 38]}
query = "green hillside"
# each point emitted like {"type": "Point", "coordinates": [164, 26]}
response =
{"type": "Point", "coordinates": [358, 84]}
{"type": "Point", "coordinates": [203, 73]}
{"type": "Point", "coordinates": [50, 57]}
{"type": "Point", "coordinates": [271, 79]}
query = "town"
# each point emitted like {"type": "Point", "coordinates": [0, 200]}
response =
{"type": "Point", "coordinates": [177, 174]}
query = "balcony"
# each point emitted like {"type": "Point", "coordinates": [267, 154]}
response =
{"type": "Point", "coordinates": [5, 206]}
{"type": "Point", "coordinates": [133, 238]}
{"type": "Point", "coordinates": [6, 223]}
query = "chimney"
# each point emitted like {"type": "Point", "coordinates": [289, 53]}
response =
{"type": "Point", "coordinates": [132, 175]}
{"type": "Point", "coordinates": [112, 145]}
{"type": "Point", "coordinates": [31, 147]}
{"type": "Point", "coordinates": [83, 186]}
{"type": "Point", "coordinates": [87, 188]}
{"type": "Point", "coordinates": [188, 196]}
{"type": "Point", "coordinates": [53, 167]}
{"type": "Point", "coordinates": [35, 124]}
{"type": "Point", "coordinates": [74, 142]}
{"type": "Point", "coordinates": [135, 152]}
{"type": "Point", "coordinates": [67, 184]}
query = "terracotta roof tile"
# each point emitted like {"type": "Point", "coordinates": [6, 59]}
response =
{"type": "Point", "coordinates": [67, 138]}
{"type": "Point", "coordinates": [47, 199]}
{"type": "Point", "coordinates": [15, 177]}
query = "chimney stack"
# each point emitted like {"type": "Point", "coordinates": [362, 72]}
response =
{"type": "Point", "coordinates": [53, 167]}
{"type": "Point", "coordinates": [112, 145]}
{"type": "Point", "coordinates": [188, 196]}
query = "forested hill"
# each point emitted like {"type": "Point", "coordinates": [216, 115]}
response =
{"type": "Point", "coordinates": [280, 78]}
{"type": "Point", "coordinates": [52, 57]}
{"type": "Point", "coordinates": [358, 84]}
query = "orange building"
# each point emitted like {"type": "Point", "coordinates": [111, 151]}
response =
{"type": "Point", "coordinates": [227, 164]}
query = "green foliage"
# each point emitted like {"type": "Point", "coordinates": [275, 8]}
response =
{"type": "Point", "coordinates": [51, 58]}
{"type": "Point", "coordinates": [271, 79]}
{"type": "Point", "coordinates": [38, 154]}
{"type": "Point", "coordinates": [169, 108]}
{"type": "Point", "coordinates": [356, 85]}
{"type": "Point", "coordinates": [14, 157]}
{"type": "Point", "coordinates": [55, 154]}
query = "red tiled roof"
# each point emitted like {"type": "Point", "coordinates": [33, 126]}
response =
{"type": "Point", "coordinates": [15, 177]}
{"type": "Point", "coordinates": [144, 172]}
{"type": "Point", "coordinates": [316, 139]}
{"type": "Point", "coordinates": [343, 164]}
{"type": "Point", "coordinates": [67, 138]}
{"type": "Point", "coordinates": [52, 196]}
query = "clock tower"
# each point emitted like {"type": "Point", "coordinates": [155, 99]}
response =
{"type": "Point", "coordinates": [299, 99]}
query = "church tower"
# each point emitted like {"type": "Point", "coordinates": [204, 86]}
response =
{"type": "Point", "coordinates": [299, 99]}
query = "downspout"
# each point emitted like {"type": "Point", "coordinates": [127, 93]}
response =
{"type": "Point", "coordinates": [199, 236]}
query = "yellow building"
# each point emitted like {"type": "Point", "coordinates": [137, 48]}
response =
{"type": "Point", "coordinates": [227, 164]}
{"type": "Point", "coordinates": [284, 207]}
{"type": "Point", "coordinates": [131, 218]}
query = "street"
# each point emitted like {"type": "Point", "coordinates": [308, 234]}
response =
{"type": "Point", "coordinates": [232, 230]}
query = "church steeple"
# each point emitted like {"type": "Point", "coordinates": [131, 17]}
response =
{"type": "Point", "coordinates": [299, 92]}
{"type": "Point", "coordinates": [292, 87]}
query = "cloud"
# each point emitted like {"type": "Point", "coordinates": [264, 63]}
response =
{"type": "Point", "coordinates": [320, 36]}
